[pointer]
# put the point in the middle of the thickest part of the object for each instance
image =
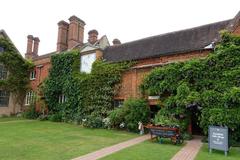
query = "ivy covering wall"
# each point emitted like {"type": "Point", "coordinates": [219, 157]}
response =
{"type": "Point", "coordinates": [17, 81]}
{"type": "Point", "coordinates": [212, 85]}
{"type": "Point", "coordinates": [89, 97]}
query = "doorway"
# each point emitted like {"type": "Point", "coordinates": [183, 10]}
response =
{"type": "Point", "coordinates": [195, 113]}
{"type": "Point", "coordinates": [153, 110]}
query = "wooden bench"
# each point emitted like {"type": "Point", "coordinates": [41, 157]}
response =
{"type": "Point", "coordinates": [165, 132]}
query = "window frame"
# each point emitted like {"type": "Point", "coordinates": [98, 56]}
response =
{"type": "Point", "coordinates": [4, 98]}
{"type": "Point", "coordinates": [33, 75]}
{"type": "Point", "coordinates": [87, 57]}
{"type": "Point", "coordinates": [3, 72]}
{"type": "Point", "coordinates": [62, 98]}
{"type": "Point", "coordinates": [29, 98]}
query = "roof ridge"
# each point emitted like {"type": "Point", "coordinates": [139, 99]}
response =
{"type": "Point", "coordinates": [187, 40]}
{"type": "Point", "coordinates": [168, 33]}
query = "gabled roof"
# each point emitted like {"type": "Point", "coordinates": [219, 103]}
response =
{"type": "Point", "coordinates": [166, 44]}
{"type": "Point", "coordinates": [2, 32]}
{"type": "Point", "coordinates": [88, 47]}
{"type": "Point", "coordinates": [102, 43]}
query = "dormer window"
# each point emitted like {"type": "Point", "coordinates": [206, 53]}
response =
{"type": "Point", "coordinates": [33, 75]}
{"type": "Point", "coordinates": [3, 72]}
{"type": "Point", "coordinates": [86, 62]}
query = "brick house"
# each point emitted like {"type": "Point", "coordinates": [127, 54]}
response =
{"type": "Point", "coordinates": [148, 53]}
{"type": "Point", "coordinates": [163, 49]}
{"type": "Point", "coordinates": [8, 103]}
{"type": "Point", "coordinates": [70, 36]}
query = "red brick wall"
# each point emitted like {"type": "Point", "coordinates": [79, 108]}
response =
{"type": "Point", "coordinates": [237, 30]}
{"type": "Point", "coordinates": [41, 74]}
{"type": "Point", "coordinates": [132, 79]}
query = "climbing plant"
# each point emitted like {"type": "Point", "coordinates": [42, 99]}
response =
{"type": "Point", "coordinates": [88, 97]}
{"type": "Point", "coordinates": [211, 84]}
{"type": "Point", "coordinates": [17, 81]}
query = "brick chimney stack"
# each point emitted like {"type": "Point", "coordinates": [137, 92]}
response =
{"type": "Point", "coordinates": [35, 46]}
{"type": "Point", "coordinates": [75, 31]}
{"type": "Point", "coordinates": [29, 44]}
{"type": "Point", "coordinates": [62, 41]}
{"type": "Point", "coordinates": [116, 42]}
{"type": "Point", "coordinates": [92, 36]}
{"type": "Point", "coordinates": [32, 47]}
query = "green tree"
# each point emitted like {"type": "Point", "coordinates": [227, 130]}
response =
{"type": "Point", "coordinates": [211, 84]}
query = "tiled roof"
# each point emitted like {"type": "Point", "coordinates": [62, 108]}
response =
{"type": "Point", "coordinates": [165, 44]}
{"type": "Point", "coordinates": [44, 56]}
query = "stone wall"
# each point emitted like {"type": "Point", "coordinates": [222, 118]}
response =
{"type": "Point", "coordinates": [12, 107]}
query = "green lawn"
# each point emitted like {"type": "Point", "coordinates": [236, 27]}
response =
{"type": "Point", "coordinates": [43, 140]}
{"type": "Point", "coordinates": [234, 154]}
{"type": "Point", "coordinates": [146, 151]}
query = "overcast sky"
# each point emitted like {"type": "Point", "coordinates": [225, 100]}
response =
{"type": "Point", "coordinates": [126, 20]}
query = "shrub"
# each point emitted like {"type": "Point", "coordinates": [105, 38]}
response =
{"type": "Point", "coordinates": [106, 123]}
{"type": "Point", "coordinates": [55, 117]}
{"type": "Point", "coordinates": [116, 117]}
{"type": "Point", "coordinates": [136, 111]}
{"type": "Point", "coordinates": [187, 136]}
{"type": "Point", "coordinates": [171, 118]}
{"type": "Point", "coordinates": [93, 121]}
{"type": "Point", "coordinates": [222, 117]}
{"type": "Point", "coordinates": [31, 112]}
{"type": "Point", "coordinates": [42, 117]}
{"type": "Point", "coordinates": [164, 120]}
{"type": "Point", "coordinates": [130, 114]}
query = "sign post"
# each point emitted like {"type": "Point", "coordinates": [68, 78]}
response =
{"type": "Point", "coordinates": [218, 139]}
